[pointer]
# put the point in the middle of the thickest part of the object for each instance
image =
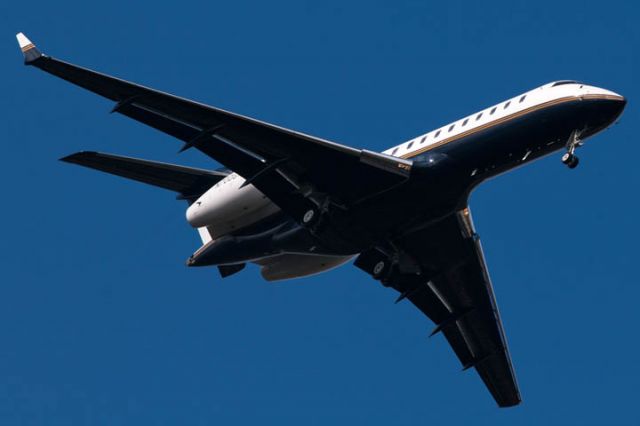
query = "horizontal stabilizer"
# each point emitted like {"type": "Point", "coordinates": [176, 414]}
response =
{"type": "Point", "coordinates": [187, 181]}
{"type": "Point", "coordinates": [29, 50]}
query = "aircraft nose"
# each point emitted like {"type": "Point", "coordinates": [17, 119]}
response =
{"type": "Point", "coordinates": [618, 105]}
{"type": "Point", "coordinates": [604, 110]}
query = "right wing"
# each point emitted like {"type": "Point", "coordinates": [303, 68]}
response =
{"type": "Point", "coordinates": [454, 290]}
{"type": "Point", "coordinates": [296, 171]}
{"type": "Point", "coordinates": [189, 182]}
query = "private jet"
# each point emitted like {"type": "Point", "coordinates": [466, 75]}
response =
{"type": "Point", "coordinates": [298, 205]}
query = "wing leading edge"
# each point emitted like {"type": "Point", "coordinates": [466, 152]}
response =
{"type": "Point", "coordinates": [287, 166]}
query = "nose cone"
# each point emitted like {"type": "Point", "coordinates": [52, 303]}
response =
{"type": "Point", "coordinates": [615, 106]}
{"type": "Point", "coordinates": [612, 102]}
{"type": "Point", "coordinates": [604, 110]}
{"type": "Point", "coordinates": [622, 103]}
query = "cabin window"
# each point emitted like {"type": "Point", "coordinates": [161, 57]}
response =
{"type": "Point", "coordinates": [507, 105]}
{"type": "Point", "coordinates": [424, 138]}
{"type": "Point", "coordinates": [478, 116]}
{"type": "Point", "coordinates": [466, 120]}
{"type": "Point", "coordinates": [451, 127]}
{"type": "Point", "coordinates": [394, 151]}
{"type": "Point", "coordinates": [437, 134]}
{"type": "Point", "coordinates": [561, 82]}
{"type": "Point", "coordinates": [493, 110]}
{"type": "Point", "coordinates": [522, 98]}
{"type": "Point", "coordinates": [410, 144]}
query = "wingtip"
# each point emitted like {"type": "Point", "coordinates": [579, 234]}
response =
{"type": "Point", "coordinates": [68, 158]}
{"type": "Point", "coordinates": [29, 50]}
{"type": "Point", "coordinates": [23, 41]}
{"type": "Point", "coordinates": [76, 156]}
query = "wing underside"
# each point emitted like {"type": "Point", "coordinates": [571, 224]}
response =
{"type": "Point", "coordinates": [454, 290]}
{"type": "Point", "coordinates": [289, 167]}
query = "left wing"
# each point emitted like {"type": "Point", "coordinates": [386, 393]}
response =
{"type": "Point", "coordinates": [452, 287]}
{"type": "Point", "coordinates": [296, 171]}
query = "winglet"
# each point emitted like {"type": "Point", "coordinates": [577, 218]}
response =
{"type": "Point", "coordinates": [29, 50]}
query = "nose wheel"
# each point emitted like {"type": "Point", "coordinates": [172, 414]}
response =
{"type": "Point", "coordinates": [569, 158]}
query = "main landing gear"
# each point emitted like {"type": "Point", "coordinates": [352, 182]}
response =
{"type": "Point", "coordinates": [569, 158]}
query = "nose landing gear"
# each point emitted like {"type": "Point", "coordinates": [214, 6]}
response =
{"type": "Point", "coordinates": [569, 158]}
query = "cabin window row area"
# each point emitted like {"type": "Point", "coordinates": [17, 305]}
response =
{"type": "Point", "coordinates": [478, 116]}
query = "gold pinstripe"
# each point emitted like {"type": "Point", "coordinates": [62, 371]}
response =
{"type": "Point", "coordinates": [509, 118]}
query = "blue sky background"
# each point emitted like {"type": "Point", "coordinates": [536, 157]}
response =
{"type": "Point", "coordinates": [101, 322]}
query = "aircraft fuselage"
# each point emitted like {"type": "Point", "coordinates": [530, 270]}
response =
{"type": "Point", "coordinates": [447, 163]}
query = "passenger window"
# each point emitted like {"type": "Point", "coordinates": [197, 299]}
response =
{"type": "Point", "coordinates": [437, 134]}
{"type": "Point", "coordinates": [478, 116]}
{"type": "Point", "coordinates": [424, 138]}
{"type": "Point", "coordinates": [464, 123]}
{"type": "Point", "coordinates": [394, 151]}
{"type": "Point", "coordinates": [451, 127]}
{"type": "Point", "coordinates": [507, 105]}
{"type": "Point", "coordinates": [522, 98]}
{"type": "Point", "coordinates": [410, 144]}
{"type": "Point", "coordinates": [493, 110]}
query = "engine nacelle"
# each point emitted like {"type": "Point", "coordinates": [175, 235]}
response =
{"type": "Point", "coordinates": [229, 206]}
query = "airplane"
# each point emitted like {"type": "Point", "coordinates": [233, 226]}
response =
{"type": "Point", "coordinates": [298, 205]}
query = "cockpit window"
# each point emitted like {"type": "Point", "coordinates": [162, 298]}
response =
{"type": "Point", "coordinates": [561, 82]}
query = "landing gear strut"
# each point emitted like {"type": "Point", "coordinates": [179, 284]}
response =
{"type": "Point", "coordinates": [569, 158]}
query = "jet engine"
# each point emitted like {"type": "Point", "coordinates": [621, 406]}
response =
{"type": "Point", "coordinates": [229, 205]}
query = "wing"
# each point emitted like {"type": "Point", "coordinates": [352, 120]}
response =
{"type": "Point", "coordinates": [189, 182]}
{"type": "Point", "coordinates": [455, 292]}
{"type": "Point", "coordinates": [296, 171]}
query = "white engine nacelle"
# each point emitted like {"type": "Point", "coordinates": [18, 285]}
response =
{"type": "Point", "coordinates": [227, 207]}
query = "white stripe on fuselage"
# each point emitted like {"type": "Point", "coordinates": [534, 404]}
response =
{"type": "Point", "coordinates": [531, 99]}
